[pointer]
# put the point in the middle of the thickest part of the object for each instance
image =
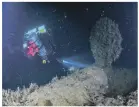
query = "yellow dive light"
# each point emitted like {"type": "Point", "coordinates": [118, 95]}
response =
{"type": "Point", "coordinates": [44, 61]}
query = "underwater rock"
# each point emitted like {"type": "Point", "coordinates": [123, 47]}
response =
{"type": "Point", "coordinates": [121, 81]}
{"type": "Point", "coordinates": [43, 102]}
{"type": "Point", "coordinates": [105, 41]}
{"type": "Point", "coordinates": [132, 99]}
{"type": "Point", "coordinates": [76, 89]}
{"type": "Point", "coordinates": [84, 87]}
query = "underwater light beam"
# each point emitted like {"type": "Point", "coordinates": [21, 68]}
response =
{"type": "Point", "coordinates": [71, 63]}
{"type": "Point", "coordinates": [78, 61]}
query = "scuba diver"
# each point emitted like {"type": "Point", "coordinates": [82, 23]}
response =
{"type": "Point", "coordinates": [38, 41]}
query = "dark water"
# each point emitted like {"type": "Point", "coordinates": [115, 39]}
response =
{"type": "Point", "coordinates": [70, 24]}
